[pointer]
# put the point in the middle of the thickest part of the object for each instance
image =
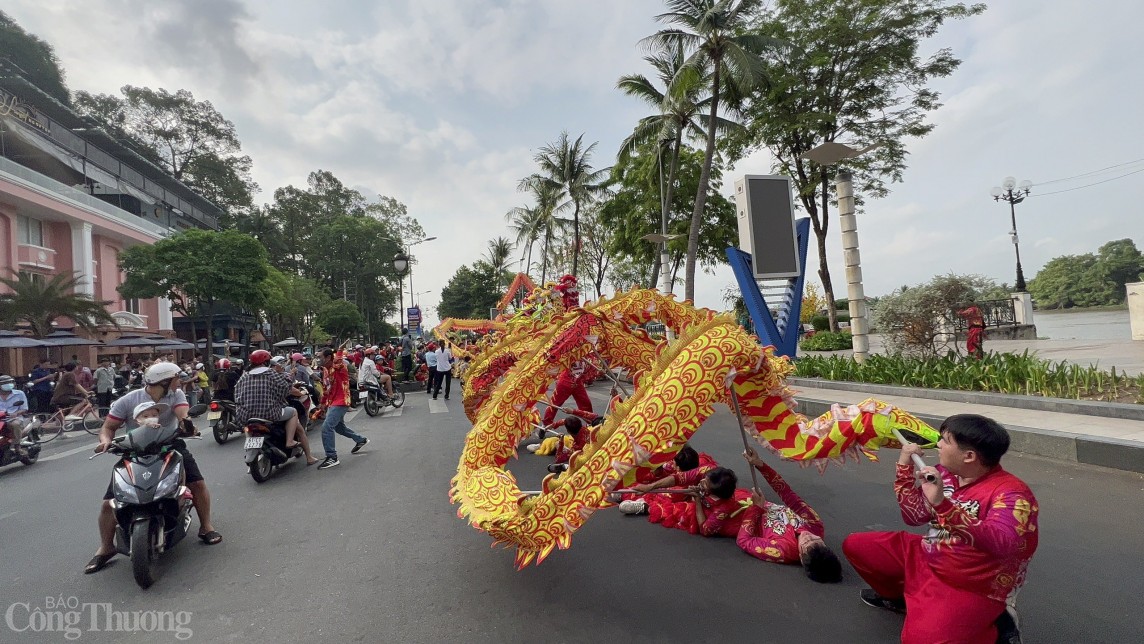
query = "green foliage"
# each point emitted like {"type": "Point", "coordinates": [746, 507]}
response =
{"type": "Point", "coordinates": [188, 138]}
{"type": "Point", "coordinates": [292, 304]}
{"type": "Point", "coordinates": [820, 323]}
{"type": "Point", "coordinates": [470, 293]}
{"type": "Point", "coordinates": [34, 58]}
{"type": "Point", "coordinates": [997, 372]}
{"type": "Point", "coordinates": [39, 302]}
{"type": "Point", "coordinates": [828, 341]}
{"type": "Point", "coordinates": [1088, 280]}
{"type": "Point", "coordinates": [853, 74]}
{"type": "Point", "coordinates": [341, 319]}
{"type": "Point", "coordinates": [916, 320]}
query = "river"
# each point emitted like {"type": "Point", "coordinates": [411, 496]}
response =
{"type": "Point", "coordinates": [1083, 325]}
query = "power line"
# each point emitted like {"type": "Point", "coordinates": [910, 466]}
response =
{"type": "Point", "coordinates": [1086, 174]}
{"type": "Point", "coordinates": [1057, 192]}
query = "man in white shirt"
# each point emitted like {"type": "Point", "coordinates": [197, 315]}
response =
{"type": "Point", "coordinates": [444, 371]}
{"type": "Point", "coordinates": [431, 363]}
{"type": "Point", "coordinates": [369, 374]}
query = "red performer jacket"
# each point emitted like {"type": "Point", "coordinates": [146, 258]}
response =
{"type": "Point", "coordinates": [579, 373]}
{"type": "Point", "coordinates": [981, 536]}
{"type": "Point", "coordinates": [771, 534]}
{"type": "Point", "coordinates": [337, 393]}
{"type": "Point", "coordinates": [578, 442]}
{"type": "Point", "coordinates": [723, 515]}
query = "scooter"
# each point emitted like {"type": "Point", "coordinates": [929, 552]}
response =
{"type": "Point", "coordinates": [266, 448]}
{"type": "Point", "coordinates": [221, 418]}
{"type": "Point", "coordinates": [376, 400]}
{"type": "Point", "coordinates": [8, 454]}
{"type": "Point", "coordinates": [152, 503]}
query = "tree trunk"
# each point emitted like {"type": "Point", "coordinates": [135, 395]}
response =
{"type": "Point", "coordinates": [823, 267]}
{"type": "Point", "coordinates": [576, 241]}
{"type": "Point", "coordinates": [701, 193]}
{"type": "Point", "coordinates": [670, 193]}
{"type": "Point", "coordinates": [544, 264]}
{"type": "Point", "coordinates": [528, 262]}
{"type": "Point", "coordinates": [655, 271]}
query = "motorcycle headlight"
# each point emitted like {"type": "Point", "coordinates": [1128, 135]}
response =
{"type": "Point", "coordinates": [170, 483]}
{"type": "Point", "coordinates": [124, 491]}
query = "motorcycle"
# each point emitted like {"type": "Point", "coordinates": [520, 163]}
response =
{"type": "Point", "coordinates": [265, 447]}
{"type": "Point", "coordinates": [221, 418]}
{"type": "Point", "coordinates": [376, 400]}
{"type": "Point", "coordinates": [8, 454]}
{"type": "Point", "coordinates": [152, 503]}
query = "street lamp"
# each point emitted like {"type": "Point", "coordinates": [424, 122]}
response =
{"type": "Point", "coordinates": [402, 262]}
{"type": "Point", "coordinates": [665, 281]}
{"type": "Point", "coordinates": [1014, 193]}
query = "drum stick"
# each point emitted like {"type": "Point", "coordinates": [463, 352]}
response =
{"type": "Point", "coordinates": [918, 462]}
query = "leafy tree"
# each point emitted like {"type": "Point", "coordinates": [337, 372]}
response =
{"type": "Point", "coordinates": [1120, 262]}
{"type": "Point", "coordinates": [714, 32]}
{"type": "Point", "coordinates": [597, 248]}
{"type": "Point", "coordinates": [497, 256]}
{"type": "Point", "coordinates": [920, 319]}
{"type": "Point", "coordinates": [470, 293]}
{"type": "Point", "coordinates": [38, 302]}
{"type": "Point", "coordinates": [352, 258]}
{"type": "Point", "coordinates": [568, 164]}
{"type": "Point", "coordinates": [812, 303]}
{"type": "Point", "coordinates": [539, 221]}
{"type": "Point", "coordinates": [260, 224]}
{"type": "Point", "coordinates": [853, 73]}
{"type": "Point", "coordinates": [627, 274]}
{"type": "Point", "coordinates": [34, 58]}
{"type": "Point", "coordinates": [188, 138]}
{"type": "Point", "coordinates": [197, 270]}
{"type": "Point", "coordinates": [341, 319]}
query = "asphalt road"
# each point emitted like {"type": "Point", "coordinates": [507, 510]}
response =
{"type": "Point", "coordinates": [372, 551]}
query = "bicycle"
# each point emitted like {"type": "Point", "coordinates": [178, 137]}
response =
{"type": "Point", "coordinates": [44, 428]}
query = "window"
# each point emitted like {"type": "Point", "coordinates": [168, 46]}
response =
{"type": "Point", "coordinates": [35, 278]}
{"type": "Point", "coordinates": [30, 231]}
{"type": "Point", "coordinates": [132, 306]}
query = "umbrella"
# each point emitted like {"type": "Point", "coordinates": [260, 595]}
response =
{"type": "Point", "coordinates": [63, 338]}
{"type": "Point", "coordinates": [174, 344]}
{"type": "Point", "coordinates": [13, 340]}
{"type": "Point", "coordinates": [132, 340]}
{"type": "Point", "coordinates": [288, 342]}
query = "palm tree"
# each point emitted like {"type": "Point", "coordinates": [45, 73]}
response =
{"type": "Point", "coordinates": [567, 163]}
{"type": "Point", "coordinates": [38, 303]}
{"type": "Point", "coordinates": [500, 249]}
{"type": "Point", "coordinates": [539, 221]}
{"type": "Point", "coordinates": [715, 31]}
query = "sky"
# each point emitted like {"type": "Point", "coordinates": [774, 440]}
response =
{"type": "Point", "coordinates": [442, 104]}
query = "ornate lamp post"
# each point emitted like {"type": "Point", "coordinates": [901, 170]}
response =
{"type": "Point", "coordinates": [1014, 193]}
{"type": "Point", "coordinates": [400, 264]}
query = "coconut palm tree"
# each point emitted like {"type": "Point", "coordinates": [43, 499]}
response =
{"type": "Point", "coordinates": [716, 33]}
{"type": "Point", "coordinates": [497, 255]}
{"type": "Point", "coordinates": [567, 163]}
{"type": "Point", "coordinates": [540, 221]}
{"type": "Point", "coordinates": [38, 302]}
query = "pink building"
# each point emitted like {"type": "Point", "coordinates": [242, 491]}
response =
{"type": "Point", "coordinates": [72, 198]}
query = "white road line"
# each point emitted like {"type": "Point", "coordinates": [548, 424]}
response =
{"type": "Point", "coordinates": [391, 412]}
{"type": "Point", "coordinates": [438, 406]}
{"type": "Point", "coordinates": [8, 514]}
{"type": "Point", "coordinates": [77, 450]}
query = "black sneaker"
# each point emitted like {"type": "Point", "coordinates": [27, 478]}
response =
{"type": "Point", "coordinates": [556, 468]}
{"type": "Point", "coordinates": [1007, 631]}
{"type": "Point", "coordinates": [871, 598]}
{"type": "Point", "coordinates": [328, 463]}
{"type": "Point", "coordinates": [358, 446]}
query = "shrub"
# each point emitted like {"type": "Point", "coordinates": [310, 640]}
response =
{"type": "Point", "coordinates": [820, 322]}
{"type": "Point", "coordinates": [842, 305]}
{"type": "Point", "coordinates": [917, 320]}
{"type": "Point", "coordinates": [827, 341]}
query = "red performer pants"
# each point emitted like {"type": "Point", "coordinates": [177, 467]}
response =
{"type": "Point", "coordinates": [936, 613]}
{"type": "Point", "coordinates": [563, 391]}
{"type": "Point", "coordinates": [973, 344]}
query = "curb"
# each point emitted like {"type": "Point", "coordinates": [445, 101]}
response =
{"type": "Point", "coordinates": [1074, 448]}
{"type": "Point", "coordinates": [1122, 411]}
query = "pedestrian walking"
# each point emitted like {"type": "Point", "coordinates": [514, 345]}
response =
{"type": "Point", "coordinates": [336, 400]}
{"type": "Point", "coordinates": [407, 353]}
{"type": "Point", "coordinates": [431, 363]}
{"type": "Point", "coordinates": [444, 371]}
{"type": "Point", "coordinates": [104, 383]}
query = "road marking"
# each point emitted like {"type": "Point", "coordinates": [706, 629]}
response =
{"type": "Point", "coordinates": [391, 412]}
{"type": "Point", "coordinates": [352, 415]}
{"type": "Point", "coordinates": [77, 450]}
{"type": "Point", "coordinates": [8, 514]}
{"type": "Point", "coordinates": [438, 407]}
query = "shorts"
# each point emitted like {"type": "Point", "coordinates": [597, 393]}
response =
{"type": "Point", "coordinates": [190, 468]}
{"type": "Point", "coordinates": [67, 402]}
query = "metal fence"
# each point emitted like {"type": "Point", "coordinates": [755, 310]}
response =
{"type": "Point", "coordinates": [996, 313]}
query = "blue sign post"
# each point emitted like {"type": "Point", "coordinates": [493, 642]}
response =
{"type": "Point", "coordinates": [780, 331]}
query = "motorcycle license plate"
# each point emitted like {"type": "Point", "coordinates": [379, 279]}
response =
{"type": "Point", "coordinates": [214, 415]}
{"type": "Point", "coordinates": [363, 395]}
{"type": "Point", "coordinates": [253, 442]}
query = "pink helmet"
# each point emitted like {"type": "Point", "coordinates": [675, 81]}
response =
{"type": "Point", "coordinates": [223, 363]}
{"type": "Point", "coordinates": [297, 357]}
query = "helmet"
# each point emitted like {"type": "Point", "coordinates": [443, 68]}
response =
{"type": "Point", "coordinates": [259, 358]}
{"type": "Point", "coordinates": [278, 361]}
{"type": "Point", "coordinates": [370, 351]}
{"type": "Point", "coordinates": [238, 362]}
{"type": "Point", "coordinates": [7, 380]}
{"type": "Point", "coordinates": [198, 365]}
{"type": "Point", "coordinates": [297, 357]}
{"type": "Point", "coordinates": [223, 363]}
{"type": "Point", "coordinates": [161, 371]}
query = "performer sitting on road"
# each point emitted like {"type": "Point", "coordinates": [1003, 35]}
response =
{"type": "Point", "coordinates": [715, 506]}
{"type": "Point", "coordinates": [580, 437]}
{"type": "Point", "coordinates": [685, 460]}
{"type": "Point", "coordinates": [958, 579]}
{"type": "Point", "coordinates": [788, 533]}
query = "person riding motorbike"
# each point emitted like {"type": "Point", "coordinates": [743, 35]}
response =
{"type": "Point", "coordinates": [15, 403]}
{"type": "Point", "coordinates": [369, 374]}
{"type": "Point", "coordinates": [262, 393]}
{"type": "Point", "coordinates": [226, 379]}
{"type": "Point", "coordinates": [162, 383]}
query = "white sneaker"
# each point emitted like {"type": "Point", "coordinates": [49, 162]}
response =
{"type": "Point", "coordinates": [633, 507]}
{"type": "Point", "coordinates": [533, 447]}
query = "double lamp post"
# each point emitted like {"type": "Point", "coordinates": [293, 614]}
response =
{"type": "Point", "coordinates": [1014, 193]}
{"type": "Point", "coordinates": [402, 262]}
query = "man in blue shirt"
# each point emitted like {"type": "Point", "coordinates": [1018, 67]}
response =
{"type": "Point", "coordinates": [15, 405]}
{"type": "Point", "coordinates": [41, 379]}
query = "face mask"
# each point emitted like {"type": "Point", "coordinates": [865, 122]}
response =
{"type": "Point", "coordinates": [7, 388]}
{"type": "Point", "coordinates": [152, 421]}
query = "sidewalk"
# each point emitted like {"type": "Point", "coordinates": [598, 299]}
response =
{"type": "Point", "coordinates": [1078, 437]}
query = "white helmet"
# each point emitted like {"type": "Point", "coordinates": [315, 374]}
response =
{"type": "Point", "coordinates": [161, 371]}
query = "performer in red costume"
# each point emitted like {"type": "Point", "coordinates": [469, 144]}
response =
{"type": "Point", "coordinates": [571, 384]}
{"type": "Point", "coordinates": [568, 291]}
{"type": "Point", "coordinates": [974, 342]}
{"type": "Point", "coordinates": [790, 533]}
{"type": "Point", "coordinates": [715, 507]}
{"type": "Point", "coordinates": [956, 581]}
{"type": "Point", "coordinates": [685, 460]}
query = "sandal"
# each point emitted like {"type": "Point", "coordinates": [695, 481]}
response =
{"type": "Point", "coordinates": [97, 563]}
{"type": "Point", "coordinates": [210, 538]}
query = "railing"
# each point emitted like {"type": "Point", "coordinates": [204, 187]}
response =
{"type": "Point", "coordinates": [81, 198]}
{"type": "Point", "coordinates": [995, 312]}
{"type": "Point", "coordinates": [36, 257]}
